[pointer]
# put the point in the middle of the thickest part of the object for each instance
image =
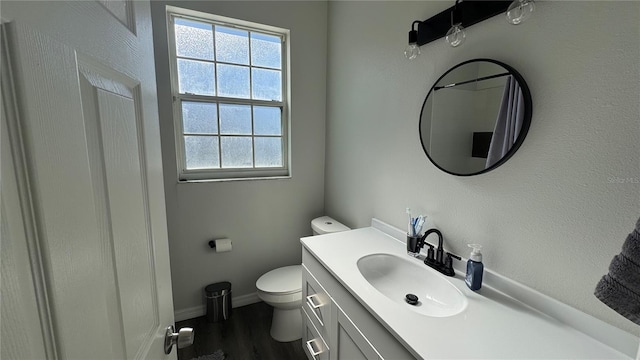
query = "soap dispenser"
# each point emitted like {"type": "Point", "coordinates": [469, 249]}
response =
{"type": "Point", "coordinates": [474, 268]}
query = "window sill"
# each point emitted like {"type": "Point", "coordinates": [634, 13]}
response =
{"type": "Point", "coordinates": [195, 181]}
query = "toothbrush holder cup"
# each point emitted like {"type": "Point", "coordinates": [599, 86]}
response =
{"type": "Point", "coordinates": [414, 245]}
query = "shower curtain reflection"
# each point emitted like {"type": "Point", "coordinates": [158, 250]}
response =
{"type": "Point", "coordinates": [508, 123]}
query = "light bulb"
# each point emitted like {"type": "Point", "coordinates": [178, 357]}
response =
{"type": "Point", "coordinates": [519, 11]}
{"type": "Point", "coordinates": [412, 51]}
{"type": "Point", "coordinates": [456, 35]}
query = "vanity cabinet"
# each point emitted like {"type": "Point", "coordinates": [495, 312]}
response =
{"type": "Point", "coordinates": [351, 314]}
{"type": "Point", "coordinates": [336, 325]}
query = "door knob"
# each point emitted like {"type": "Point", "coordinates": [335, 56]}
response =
{"type": "Point", "coordinates": [182, 338]}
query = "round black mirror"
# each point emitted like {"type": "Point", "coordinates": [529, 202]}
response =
{"type": "Point", "coordinates": [475, 117]}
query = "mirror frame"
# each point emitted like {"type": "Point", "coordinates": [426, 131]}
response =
{"type": "Point", "coordinates": [526, 94]}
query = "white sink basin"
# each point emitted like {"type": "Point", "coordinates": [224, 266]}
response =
{"type": "Point", "coordinates": [396, 277]}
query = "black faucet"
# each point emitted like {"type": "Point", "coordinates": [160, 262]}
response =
{"type": "Point", "coordinates": [437, 261]}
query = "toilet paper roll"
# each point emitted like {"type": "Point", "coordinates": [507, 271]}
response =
{"type": "Point", "coordinates": [223, 245]}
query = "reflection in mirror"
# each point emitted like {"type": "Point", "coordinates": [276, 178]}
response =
{"type": "Point", "coordinates": [475, 117]}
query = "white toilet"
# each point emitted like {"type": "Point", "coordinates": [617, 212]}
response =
{"type": "Point", "coordinates": [282, 289]}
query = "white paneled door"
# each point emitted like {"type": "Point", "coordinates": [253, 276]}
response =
{"type": "Point", "coordinates": [84, 228]}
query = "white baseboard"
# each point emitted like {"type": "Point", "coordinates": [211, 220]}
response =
{"type": "Point", "coordinates": [189, 313]}
{"type": "Point", "coordinates": [201, 310]}
{"type": "Point", "coordinates": [246, 299]}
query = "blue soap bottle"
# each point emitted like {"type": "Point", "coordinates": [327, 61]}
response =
{"type": "Point", "coordinates": [474, 268]}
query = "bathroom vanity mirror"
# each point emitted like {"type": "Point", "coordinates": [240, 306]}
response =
{"type": "Point", "coordinates": [475, 117]}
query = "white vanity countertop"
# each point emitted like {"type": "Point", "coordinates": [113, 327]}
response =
{"type": "Point", "coordinates": [493, 325]}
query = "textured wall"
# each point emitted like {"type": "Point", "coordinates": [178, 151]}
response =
{"type": "Point", "coordinates": [265, 219]}
{"type": "Point", "coordinates": [555, 214]}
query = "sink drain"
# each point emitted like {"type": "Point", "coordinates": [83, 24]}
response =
{"type": "Point", "coordinates": [411, 299]}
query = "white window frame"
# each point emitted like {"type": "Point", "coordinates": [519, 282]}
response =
{"type": "Point", "coordinates": [226, 174]}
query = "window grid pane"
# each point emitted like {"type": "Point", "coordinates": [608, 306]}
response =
{"type": "Point", "coordinates": [194, 39]}
{"type": "Point", "coordinates": [233, 81]}
{"type": "Point", "coordinates": [233, 50]}
{"type": "Point", "coordinates": [201, 152]}
{"type": "Point", "coordinates": [266, 51]}
{"type": "Point", "coordinates": [232, 45]}
{"type": "Point", "coordinates": [199, 117]}
{"type": "Point", "coordinates": [208, 124]}
{"type": "Point", "coordinates": [267, 120]}
{"type": "Point", "coordinates": [235, 119]}
{"type": "Point", "coordinates": [266, 84]}
{"type": "Point", "coordinates": [268, 151]}
{"type": "Point", "coordinates": [219, 135]}
{"type": "Point", "coordinates": [237, 152]}
{"type": "Point", "coordinates": [196, 77]}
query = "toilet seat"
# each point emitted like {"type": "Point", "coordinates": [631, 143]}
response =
{"type": "Point", "coordinates": [281, 281]}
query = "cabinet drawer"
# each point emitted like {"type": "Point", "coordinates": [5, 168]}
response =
{"type": "Point", "coordinates": [316, 302]}
{"type": "Point", "coordinates": [313, 344]}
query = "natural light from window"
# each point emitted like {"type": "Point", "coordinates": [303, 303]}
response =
{"type": "Point", "coordinates": [229, 98]}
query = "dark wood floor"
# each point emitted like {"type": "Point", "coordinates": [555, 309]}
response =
{"type": "Point", "coordinates": [244, 336]}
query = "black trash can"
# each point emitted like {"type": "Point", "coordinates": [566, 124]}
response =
{"type": "Point", "coordinates": [218, 297]}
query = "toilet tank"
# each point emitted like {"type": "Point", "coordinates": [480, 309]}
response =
{"type": "Point", "coordinates": [326, 225]}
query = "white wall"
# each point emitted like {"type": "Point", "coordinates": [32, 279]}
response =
{"type": "Point", "coordinates": [451, 134]}
{"type": "Point", "coordinates": [264, 219]}
{"type": "Point", "coordinates": [554, 215]}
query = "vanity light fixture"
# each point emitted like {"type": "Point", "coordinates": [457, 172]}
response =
{"type": "Point", "coordinates": [452, 22]}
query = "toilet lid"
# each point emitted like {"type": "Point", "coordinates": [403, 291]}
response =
{"type": "Point", "coordinates": [284, 280]}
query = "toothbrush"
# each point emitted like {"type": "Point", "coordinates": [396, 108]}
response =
{"type": "Point", "coordinates": [419, 224]}
{"type": "Point", "coordinates": [410, 224]}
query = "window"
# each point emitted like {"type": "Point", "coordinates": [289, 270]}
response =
{"type": "Point", "coordinates": [229, 84]}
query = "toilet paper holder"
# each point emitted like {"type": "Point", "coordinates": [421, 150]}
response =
{"type": "Point", "coordinates": [221, 245]}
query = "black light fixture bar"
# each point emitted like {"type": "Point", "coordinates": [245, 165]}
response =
{"type": "Point", "coordinates": [470, 12]}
